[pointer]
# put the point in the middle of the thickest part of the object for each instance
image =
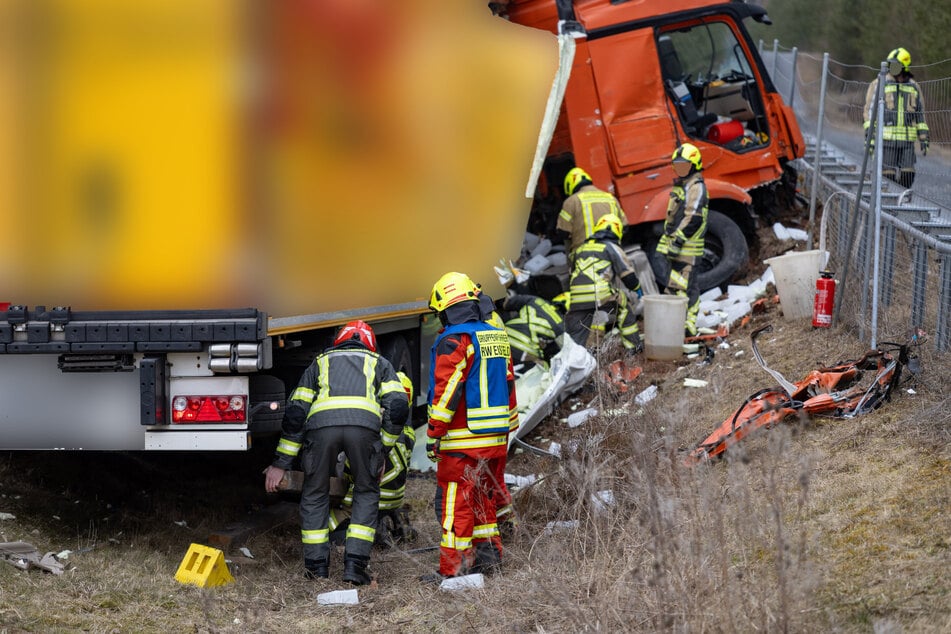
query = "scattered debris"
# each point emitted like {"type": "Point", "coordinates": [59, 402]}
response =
{"type": "Point", "coordinates": [789, 233]}
{"type": "Point", "coordinates": [7, 516]}
{"type": "Point", "coordinates": [517, 481]}
{"type": "Point", "coordinates": [247, 553]}
{"type": "Point", "coordinates": [695, 383]}
{"type": "Point", "coordinates": [602, 500]}
{"type": "Point", "coordinates": [831, 391]}
{"type": "Point", "coordinates": [338, 597]}
{"type": "Point", "coordinates": [578, 418]}
{"type": "Point", "coordinates": [24, 556]}
{"type": "Point", "coordinates": [562, 525]}
{"type": "Point", "coordinates": [465, 582]}
{"type": "Point", "coordinates": [621, 374]}
{"type": "Point", "coordinates": [646, 395]}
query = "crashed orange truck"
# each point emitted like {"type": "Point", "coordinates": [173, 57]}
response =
{"type": "Point", "coordinates": [644, 78]}
{"type": "Point", "coordinates": [195, 195]}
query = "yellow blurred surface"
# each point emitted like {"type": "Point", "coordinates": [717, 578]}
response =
{"type": "Point", "coordinates": [295, 156]}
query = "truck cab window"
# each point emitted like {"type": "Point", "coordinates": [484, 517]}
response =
{"type": "Point", "coordinates": [711, 83]}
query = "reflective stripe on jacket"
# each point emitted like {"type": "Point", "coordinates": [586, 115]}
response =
{"type": "Point", "coordinates": [686, 220]}
{"type": "Point", "coordinates": [345, 385]}
{"type": "Point", "coordinates": [472, 402]}
{"type": "Point", "coordinates": [583, 209]}
{"type": "Point", "coordinates": [598, 267]}
{"type": "Point", "coordinates": [904, 118]}
{"type": "Point", "coordinates": [538, 323]}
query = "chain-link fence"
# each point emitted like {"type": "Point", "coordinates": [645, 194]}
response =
{"type": "Point", "coordinates": [903, 261]}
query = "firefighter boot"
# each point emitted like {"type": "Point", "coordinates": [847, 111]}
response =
{"type": "Point", "coordinates": [355, 570]}
{"type": "Point", "coordinates": [316, 568]}
{"type": "Point", "coordinates": [488, 561]}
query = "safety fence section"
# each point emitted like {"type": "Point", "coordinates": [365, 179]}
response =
{"type": "Point", "coordinates": [889, 247]}
{"type": "Point", "coordinates": [799, 76]}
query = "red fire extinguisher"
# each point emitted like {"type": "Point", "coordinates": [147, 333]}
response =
{"type": "Point", "coordinates": [824, 302]}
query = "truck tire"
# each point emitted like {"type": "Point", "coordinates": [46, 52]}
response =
{"type": "Point", "coordinates": [725, 254]}
{"type": "Point", "coordinates": [396, 351]}
{"type": "Point", "coordinates": [265, 388]}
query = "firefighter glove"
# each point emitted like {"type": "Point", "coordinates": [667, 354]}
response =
{"type": "Point", "coordinates": [432, 449]}
{"type": "Point", "coordinates": [676, 244]}
{"type": "Point", "coordinates": [924, 147]}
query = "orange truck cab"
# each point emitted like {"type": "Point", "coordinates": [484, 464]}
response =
{"type": "Point", "coordinates": [647, 76]}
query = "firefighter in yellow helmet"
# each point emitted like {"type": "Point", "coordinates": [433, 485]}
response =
{"type": "Point", "coordinates": [584, 205]}
{"type": "Point", "coordinates": [600, 267]}
{"type": "Point", "coordinates": [903, 117]}
{"type": "Point", "coordinates": [684, 229]}
{"type": "Point", "coordinates": [471, 411]}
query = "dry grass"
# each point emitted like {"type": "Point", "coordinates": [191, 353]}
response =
{"type": "Point", "coordinates": [825, 525]}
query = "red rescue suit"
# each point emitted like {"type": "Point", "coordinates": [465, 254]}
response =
{"type": "Point", "coordinates": [472, 408]}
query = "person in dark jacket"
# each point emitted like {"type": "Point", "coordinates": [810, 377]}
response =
{"type": "Point", "coordinates": [349, 399]}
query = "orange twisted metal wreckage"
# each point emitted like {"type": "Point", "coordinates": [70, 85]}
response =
{"type": "Point", "coordinates": [839, 391]}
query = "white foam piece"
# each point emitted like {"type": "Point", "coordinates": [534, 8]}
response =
{"type": "Point", "coordinates": [542, 248]}
{"type": "Point", "coordinates": [536, 264]}
{"type": "Point", "coordinates": [338, 597]}
{"type": "Point", "coordinates": [465, 582]}
{"type": "Point", "coordinates": [781, 232]}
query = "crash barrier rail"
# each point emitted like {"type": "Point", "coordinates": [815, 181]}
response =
{"type": "Point", "coordinates": [889, 247]}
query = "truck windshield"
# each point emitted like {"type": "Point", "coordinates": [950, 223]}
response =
{"type": "Point", "coordinates": [709, 52]}
{"type": "Point", "coordinates": [710, 81]}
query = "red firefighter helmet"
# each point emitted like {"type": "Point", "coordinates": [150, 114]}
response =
{"type": "Point", "coordinates": [358, 330]}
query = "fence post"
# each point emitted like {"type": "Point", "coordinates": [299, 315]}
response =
{"type": "Point", "coordinates": [772, 73]}
{"type": "Point", "coordinates": [919, 284]}
{"type": "Point", "coordinates": [792, 78]}
{"type": "Point", "coordinates": [879, 124]}
{"type": "Point", "coordinates": [943, 336]}
{"type": "Point", "coordinates": [818, 160]}
{"type": "Point", "coordinates": [888, 263]}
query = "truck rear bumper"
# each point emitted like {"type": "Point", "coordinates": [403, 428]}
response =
{"type": "Point", "coordinates": [177, 440]}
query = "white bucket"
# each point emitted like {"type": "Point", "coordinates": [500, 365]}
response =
{"type": "Point", "coordinates": [795, 274]}
{"type": "Point", "coordinates": [664, 317]}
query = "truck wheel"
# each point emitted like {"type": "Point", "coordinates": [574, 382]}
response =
{"type": "Point", "coordinates": [396, 351]}
{"type": "Point", "coordinates": [265, 388]}
{"type": "Point", "coordinates": [725, 254]}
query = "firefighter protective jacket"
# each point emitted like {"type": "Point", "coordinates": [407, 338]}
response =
{"type": "Point", "coordinates": [583, 209]}
{"type": "Point", "coordinates": [537, 324]}
{"type": "Point", "coordinates": [472, 405]}
{"type": "Point", "coordinates": [345, 385]}
{"type": "Point", "coordinates": [686, 224]}
{"type": "Point", "coordinates": [903, 117]}
{"type": "Point", "coordinates": [597, 263]}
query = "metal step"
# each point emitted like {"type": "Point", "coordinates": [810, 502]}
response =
{"type": "Point", "coordinates": [933, 228]}
{"type": "Point", "coordinates": [851, 182]}
{"type": "Point", "coordinates": [929, 208]}
{"type": "Point", "coordinates": [908, 215]}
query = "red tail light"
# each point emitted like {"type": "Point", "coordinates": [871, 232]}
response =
{"type": "Point", "coordinates": [220, 408]}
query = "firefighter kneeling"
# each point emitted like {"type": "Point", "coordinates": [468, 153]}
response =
{"type": "Point", "coordinates": [393, 523]}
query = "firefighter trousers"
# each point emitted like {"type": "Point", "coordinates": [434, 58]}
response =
{"type": "Point", "coordinates": [364, 450]}
{"type": "Point", "coordinates": [465, 510]}
{"type": "Point", "coordinates": [683, 282]}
